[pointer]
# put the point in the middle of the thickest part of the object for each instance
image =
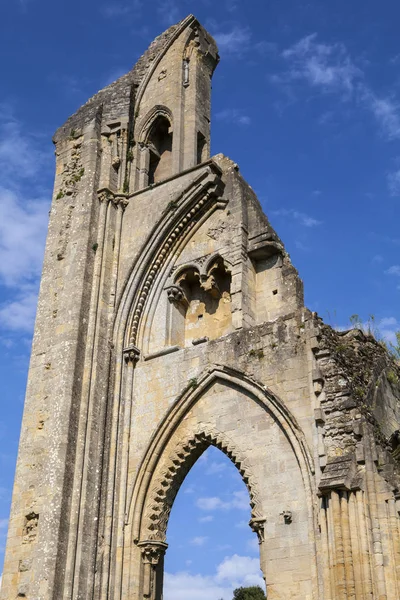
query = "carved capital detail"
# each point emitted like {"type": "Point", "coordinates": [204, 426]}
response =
{"type": "Point", "coordinates": [152, 551]}
{"type": "Point", "coordinates": [176, 295]}
{"type": "Point", "coordinates": [131, 354]}
{"type": "Point", "coordinates": [257, 525]}
{"type": "Point", "coordinates": [106, 195]}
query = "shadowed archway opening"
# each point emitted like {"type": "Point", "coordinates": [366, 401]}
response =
{"type": "Point", "coordinates": [160, 146]}
{"type": "Point", "coordinates": [211, 548]}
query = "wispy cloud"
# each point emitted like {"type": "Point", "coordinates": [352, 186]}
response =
{"type": "Point", "coordinates": [394, 183]}
{"type": "Point", "coordinates": [23, 225]}
{"type": "Point", "coordinates": [206, 519]}
{"type": "Point", "coordinates": [330, 68]}
{"type": "Point", "coordinates": [234, 41]}
{"type": "Point", "coordinates": [23, 221]}
{"type": "Point", "coordinates": [393, 270]}
{"type": "Point", "coordinates": [387, 328]}
{"type": "Point", "coordinates": [169, 12]}
{"type": "Point", "coordinates": [233, 115]}
{"type": "Point", "coordinates": [199, 540]}
{"type": "Point", "coordinates": [386, 111]}
{"type": "Point", "coordinates": [239, 500]}
{"type": "Point", "coordinates": [19, 314]}
{"type": "Point", "coordinates": [300, 217]}
{"type": "Point", "coordinates": [120, 9]}
{"type": "Point", "coordinates": [19, 156]}
{"type": "Point", "coordinates": [327, 66]}
{"type": "Point", "coordinates": [215, 468]}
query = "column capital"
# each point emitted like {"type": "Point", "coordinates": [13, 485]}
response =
{"type": "Point", "coordinates": [152, 551]}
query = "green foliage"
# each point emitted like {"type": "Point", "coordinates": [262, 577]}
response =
{"type": "Point", "coordinates": [172, 205]}
{"type": "Point", "coordinates": [340, 348]}
{"type": "Point", "coordinates": [355, 322]}
{"type": "Point", "coordinates": [193, 383]}
{"type": "Point", "coordinates": [60, 195]}
{"type": "Point", "coordinates": [95, 246]}
{"type": "Point", "coordinates": [78, 176]}
{"type": "Point", "coordinates": [392, 377]}
{"type": "Point", "coordinates": [395, 348]}
{"type": "Point", "coordinates": [130, 156]}
{"type": "Point", "coordinates": [73, 134]}
{"type": "Point", "coordinates": [253, 592]}
{"type": "Point", "coordinates": [125, 188]}
{"type": "Point", "coordinates": [256, 353]}
{"type": "Point", "coordinates": [359, 393]}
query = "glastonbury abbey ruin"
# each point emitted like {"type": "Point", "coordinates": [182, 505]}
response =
{"type": "Point", "coordinates": [170, 318]}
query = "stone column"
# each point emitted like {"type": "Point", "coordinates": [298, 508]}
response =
{"type": "Point", "coordinates": [152, 569]}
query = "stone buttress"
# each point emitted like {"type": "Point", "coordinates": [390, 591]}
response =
{"type": "Point", "coordinates": [170, 318]}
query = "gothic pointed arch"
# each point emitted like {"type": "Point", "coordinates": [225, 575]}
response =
{"type": "Point", "coordinates": [160, 475]}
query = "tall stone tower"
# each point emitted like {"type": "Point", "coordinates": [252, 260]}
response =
{"type": "Point", "coordinates": [170, 318]}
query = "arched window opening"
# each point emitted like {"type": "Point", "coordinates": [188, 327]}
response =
{"type": "Point", "coordinates": [211, 548]}
{"type": "Point", "coordinates": [200, 305]}
{"type": "Point", "coordinates": [160, 147]}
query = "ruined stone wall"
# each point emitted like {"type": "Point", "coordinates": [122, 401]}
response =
{"type": "Point", "coordinates": [171, 318]}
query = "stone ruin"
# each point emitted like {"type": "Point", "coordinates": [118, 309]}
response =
{"type": "Point", "coordinates": [171, 318]}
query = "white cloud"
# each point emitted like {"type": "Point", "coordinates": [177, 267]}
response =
{"type": "Point", "coordinates": [386, 111]}
{"type": "Point", "coordinates": [206, 519]}
{"type": "Point", "coordinates": [387, 328]}
{"type": "Point", "coordinates": [23, 226]}
{"type": "Point", "coordinates": [240, 570]}
{"type": "Point", "coordinates": [210, 503]}
{"type": "Point", "coordinates": [120, 9]}
{"type": "Point", "coordinates": [23, 220]}
{"type": "Point", "coordinates": [233, 42]}
{"type": "Point", "coordinates": [19, 314]}
{"type": "Point", "coordinates": [233, 115]}
{"type": "Point", "coordinates": [393, 270]}
{"type": "Point", "coordinates": [239, 500]}
{"type": "Point", "coordinates": [232, 572]}
{"type": "Point", "coordinates": [215, 468]}
{"type": "Point", "coordinates": [199, 540]}
{"type": "Point", "coordinates": [302, 218]}
{"type": "Point", "coordinates": [394, 183]}
{"type": "Point", "coordinates": [19, 156]}
{"type": "Point", "coordinates": [242, 524]}
{"type": "Point", "coordinates": [169, 12]}
{"type": "Point", "coordinates": [330, 68]}
{"type": "Point", "coordinates": [253, 545]}
{"type": "Point", "coordinates": [3, 523]}
{"type": "Point", "coordinates": [327, 66]}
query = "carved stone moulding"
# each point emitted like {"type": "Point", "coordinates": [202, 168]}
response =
{"type": "Point", "coordinates": [257, 525]}
{"type": "Point", "coordinates": [118, 200]}
{"type": "Point", "coordinates": [152, 551]}
{"type": "Point", "coordinates": [185, 222]}
{"type": "Point", "coordinates": [131, 354]}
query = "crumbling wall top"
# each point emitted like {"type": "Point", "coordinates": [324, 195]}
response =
{"type": "Point", "coordinates": [114, 100]}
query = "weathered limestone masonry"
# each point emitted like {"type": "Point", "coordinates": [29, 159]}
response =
{"type": "Point", "coordinates": [170, 319]}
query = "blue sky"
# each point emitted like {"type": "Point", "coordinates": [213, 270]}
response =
{"type": "Point", "coordinates": [306, 99]}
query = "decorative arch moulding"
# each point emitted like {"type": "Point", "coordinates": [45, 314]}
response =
{"type": "Point", "coordinates": [166, 485]}
{"type": "Point", "coordinates": [151, 496]}
{"type": "Point", "coordinates": [185, 213]}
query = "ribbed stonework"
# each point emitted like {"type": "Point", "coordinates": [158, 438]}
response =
{"type": "Point", "coordinates": [170, 318]}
